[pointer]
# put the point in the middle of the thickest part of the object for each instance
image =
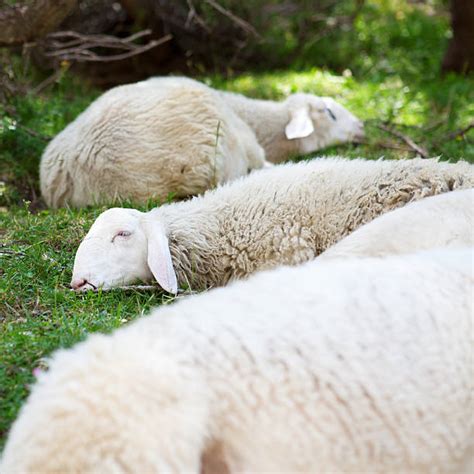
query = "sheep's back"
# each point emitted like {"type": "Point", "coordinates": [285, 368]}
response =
{"type": "Point", "coordinates": [292, 213]}
{"type": "Point", "coordinates": [143, 140]}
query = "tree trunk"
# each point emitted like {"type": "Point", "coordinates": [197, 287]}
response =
{"type": "Point", "coordinates": [23, 23]}
{"type": "Point", "coordinates": [459, 56]}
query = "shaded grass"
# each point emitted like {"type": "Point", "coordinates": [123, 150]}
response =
{"type": "Point", "coordinates": [386, 69]}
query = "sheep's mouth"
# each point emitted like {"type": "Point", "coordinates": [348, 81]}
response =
{"type": "Point", "coordinates": [84, 285]}
{"type": "Point", "coordinates": [89, 286]}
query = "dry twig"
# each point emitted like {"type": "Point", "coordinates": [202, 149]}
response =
{"type": "Point", "coordinates": [246, 26]}
{"type": "Point", "coordinates": [73, 46]}
{"type": "Point", "coordinates": [193, 15]}
{"type": "Point", "coordinates": [142, 288]}
{"type": "Point", "coordinates": [380, 144]}
{"type": "Point", "coordinates": [416, 148]}
{"type": "Point", "coordinates": [458, 133]}
{"type": "Point", "coordinates": [47, 82]}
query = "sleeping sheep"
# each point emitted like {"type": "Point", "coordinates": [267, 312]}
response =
{"type": "Point", "coordinates": [148, 139]}
{"type": "Point", "coordinates": [299, 125]}
{"type": "Point", "coordinates": [284, 215]}
{"type": "Point", "coordinates": [355, 365]}
{"type": "Point", "coordinates": [176, 135]}
{"type": "Point", "coordinates": [445, 220]}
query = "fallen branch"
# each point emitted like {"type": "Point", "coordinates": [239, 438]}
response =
{"type": "Point", "coordinates": [238, 21]}
{"type": "Point", "coordinates": [73, 46]}
{"type": "Point", "coordinates": [47, 82]}
{"type": "Point", "coordinates": [193, 15]}
{"type": "Point", "coordinates": [9, 252]}
{"type": "Point", "coordinates": [458, 133]}
{"type": "Point", "coordinates": [12, 114]}
{"type": "Point", "coordinates": [33, 133]}
{"type": "Point", "coordinates": [414, 147]}
{"type": "Point", "coordinates": [387, 145]}
{"type": "Point", "coordinates": [141, 288]}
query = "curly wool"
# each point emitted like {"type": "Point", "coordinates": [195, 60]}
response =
{"type": "Point", "coordinates": [445, 220]}
{"type": "Point", "coordinates": [149, 139]}
{"type": "Point", "coordinates": [357, 365]}
{"type": "Point", "coordinates": [291, 213]}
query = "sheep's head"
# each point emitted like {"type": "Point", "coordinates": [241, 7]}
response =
{"type": "Point", "coordinates": [318, 122]}
{"type": "Point", "coordinates": [123, 246]}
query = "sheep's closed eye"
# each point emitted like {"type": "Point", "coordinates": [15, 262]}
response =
{"type": "Point", "coordinates": [331, 113]}
{"type": "Point", "coordinates": [122, 234]}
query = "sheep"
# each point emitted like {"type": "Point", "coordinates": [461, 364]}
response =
{"type": "Point", "coordinates": [149, 139]}
{"type": "Point", "coordinates": [287, 214]}
{"type": "Point", "coordinates": [340, 366]}
{"type": "Point", "coordinates": [445, 220]}
{"type": "Point", "coordinates": [301, 124]}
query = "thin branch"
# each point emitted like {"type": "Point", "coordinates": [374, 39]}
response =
{"type": "Point", "coordinates": [380, 144]}
{"type": "Point", "coordinates": [33, 133]}
{"type": "Point", "coordinates": [193, 15]}
{"type": "Point", "coordinates": [79, 48]}
{"type": "Point", "coordinates": [416, 148]}
{"type": "Point", "coordinates": [12, 113]}
{"type": "Point", "coordinates": [246, 26]}
{"type": "Point", "coordinates": [47, 82]}
{"type": "Point", "coordinates": [458, 133]}
{"type": "Point", "coordinates": [142, 288]}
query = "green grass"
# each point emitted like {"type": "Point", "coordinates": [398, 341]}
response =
{"type": "Point", "coordinates": [386, 69]}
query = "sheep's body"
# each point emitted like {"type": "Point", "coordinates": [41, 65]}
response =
{"type": "Point", "coordinates": [288, 214]}
{"type": "Point", "coordinates": [149, 139]}
{"type": "Point", "coordinates": [356, 365]}
{"type": "Point", "coordinates": [269, 120]}
{"type": "Point", "coordinates": [445, 220]}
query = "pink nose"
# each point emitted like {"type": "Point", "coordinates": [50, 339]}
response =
{"type": "Point", "coordinates": [76, 284]}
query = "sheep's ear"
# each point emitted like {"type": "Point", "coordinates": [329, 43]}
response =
{"type": "Point", "coordinates": [300, 125]}
{"type": "Point", "coordinates": [159, 257]}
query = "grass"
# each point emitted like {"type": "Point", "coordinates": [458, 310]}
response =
{"type": "Point", "coordinates": [386, 69]}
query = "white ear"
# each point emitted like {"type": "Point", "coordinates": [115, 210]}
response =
{"type": "Point", "coordinates": [159, 257]}
{"type": "Point", "coordinates": [300, 125]}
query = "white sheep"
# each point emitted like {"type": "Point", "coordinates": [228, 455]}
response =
{"type": "Point", "coordinates": [176, 135]}
{"type": "Point", "coordinates": [355, 365]}
{"type": "Point", "coordinates": [149, 139]}
{"type": "Point", "coordinates": [284, 215]}
{"type": "Point", "coordinates": [301, 124]}
{"type": "Point", "coordinates": [445, 220]}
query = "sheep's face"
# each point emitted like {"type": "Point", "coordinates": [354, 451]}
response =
{"type": "Point", "coordinates": [318, 122]}
{"type": "Point", "coordinates": [113, 253]}
{"type": "Point", "coordinates": [121, 247]}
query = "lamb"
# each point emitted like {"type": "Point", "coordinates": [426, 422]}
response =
{"type": "Point", "coordinates": [284, 215]}
{"type": "Point", "coordinates": [149, 139]}
{"type": "Point", "coordinates": [301, 124]}
{"type": "Point", "coordinates": [445, 220]}
{"type": "Point", "coordinates": [352, 365]}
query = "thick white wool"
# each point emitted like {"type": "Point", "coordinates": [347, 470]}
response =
{"type": "Point", "coordinates": [357, 365]}
{"type": "Point", "coordinates": [446, 220]}
{"type": "Point", "coordinates": [149, 139]}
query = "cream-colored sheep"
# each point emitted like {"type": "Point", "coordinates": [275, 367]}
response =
{"type": "Point", "coordinates": [149, 139]}
{"type": "Point", "coordinates": [358, 365]}
{"type": "Point", "coordinates": [446, 220]}
{"type": "Point", "coordinates": [301, 124]}
{"type": "Point", "coordinates": [284, 215]}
